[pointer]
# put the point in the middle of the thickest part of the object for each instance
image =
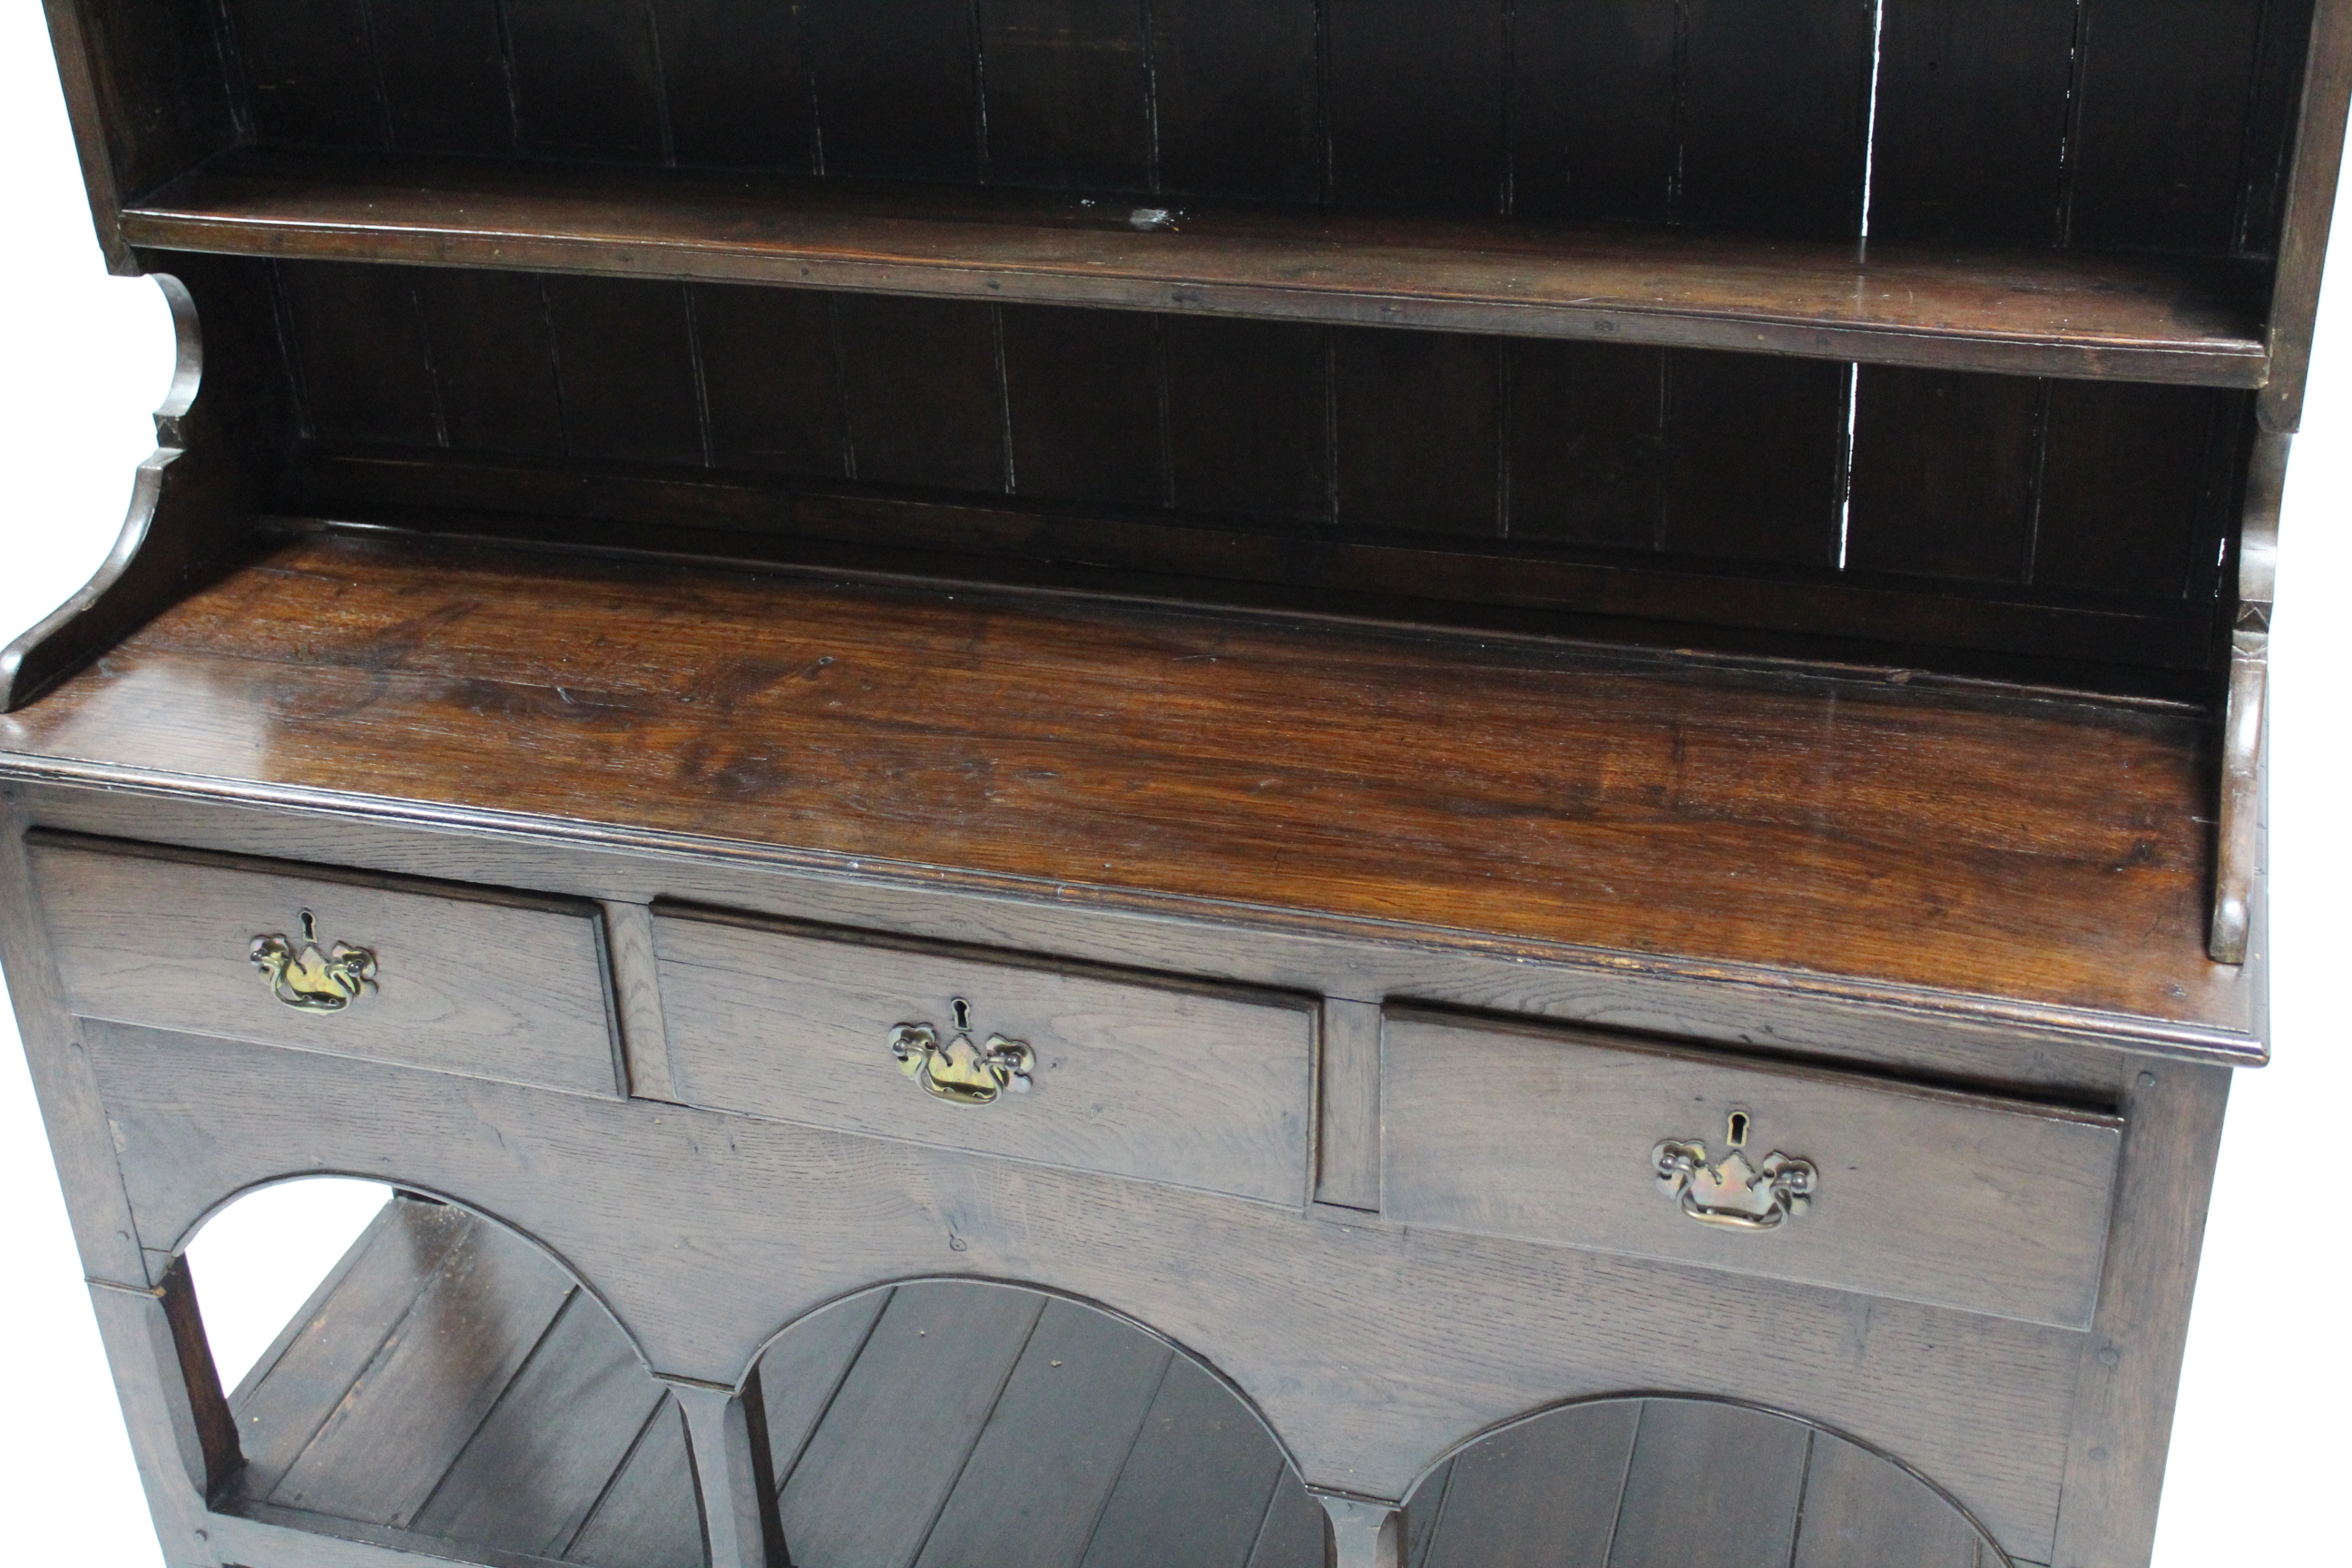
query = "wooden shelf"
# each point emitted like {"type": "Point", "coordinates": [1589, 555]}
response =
{"type": "Point", "coordinates": [2018, 312]}
{"type": "Point", "coordinates": [1888, 839]}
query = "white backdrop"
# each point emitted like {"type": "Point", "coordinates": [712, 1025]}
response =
{"type": "Point", "coordinates": [2254, 1474]}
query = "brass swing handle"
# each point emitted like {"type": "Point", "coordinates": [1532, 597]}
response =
{"type": "Point", "coordinates": [1732, 1192]}
{"type": "Point", "coordinates": [306, 978]}
{"type": "Point", "coordinates": [957, 1070]}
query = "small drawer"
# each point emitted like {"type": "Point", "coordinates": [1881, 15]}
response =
{"type": "Point", "coordinates": [1187, 1087]}
{"type": "Point", "coordinates": [451, 980]}
{"type": "Point", "coordinates": [1825, 1178]}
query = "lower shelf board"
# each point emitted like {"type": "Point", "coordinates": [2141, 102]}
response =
{"type": "Point", "coordinates": [452, 1391]}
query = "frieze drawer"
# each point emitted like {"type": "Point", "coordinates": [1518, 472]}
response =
{"type": "Point", "coordinates": [1192, 1087]}
{"type": "Point", "coordinates": [482, 983]}
{"type": "Point", "coordinates": [1584, 1139]}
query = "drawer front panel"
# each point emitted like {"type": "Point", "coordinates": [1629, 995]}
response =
{"type": "Point", "coordinates": [1187, 1087]}
{"type": "Point", "coordinates": [1988, 1205]}
{"type": "Point", "coordinates": [489, 987]}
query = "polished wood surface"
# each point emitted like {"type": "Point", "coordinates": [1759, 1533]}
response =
{"type": "Point", "coordinates": [2022, 312]}
{"type": "Point", "coordinates": [1985, 1205]}
{"type": "Point", "coordinates": [2042, 850]}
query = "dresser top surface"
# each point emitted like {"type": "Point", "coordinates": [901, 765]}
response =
{"type": "Point", "coordinates": [2043, 851]}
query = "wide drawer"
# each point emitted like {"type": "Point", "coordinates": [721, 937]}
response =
{"type": "Point", "coordinates": [481, 984]}
{"type": "Point", "coordinates": [1188, 1087]}
{"type": "Point", "coordinates": [1586, 1140]}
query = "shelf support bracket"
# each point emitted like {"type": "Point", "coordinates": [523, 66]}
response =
{"type": "Point", "coordinates": [2238, 822]}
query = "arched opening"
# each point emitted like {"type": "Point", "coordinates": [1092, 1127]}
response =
{"type": "Point", "coordinates": [445, 1384]}
{"type": "Point", "coordinates": [954, 1424]}
{"type": "Point", "coordinates": [1645, 1482]}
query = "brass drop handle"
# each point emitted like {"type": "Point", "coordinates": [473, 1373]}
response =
{"type": "Point", "coordinates": [311, 980]}
{"type": "Point", "coordinates": [1733, 1191]}
{"type": "Point", "coordinates": [959, 1071]}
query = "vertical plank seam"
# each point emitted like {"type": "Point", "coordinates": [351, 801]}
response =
{"type": "Point", "coordinates": [260, 1372]}
{"type": "Point", "coordinates": [432, 365]}
{"type": "Point", "coordinates": [832, 304]}
{"type": "Point", "coordinates": [1323, 100]}
{"type": "Point", "coordinates": [1003, 397]}
{"type": "Point", "coordinates": [555, 364]}
{"type": "Point", "coordinates": [523, 1368]}
{"type": "Point", "coordinates": [375, 75]}
{"type": "Point", "coordinates": [1506, 193]}
{"type": "Point", "coordinates": [1331, 424]}
{"type": "Point", "coordinates": [2070, 148]}
{"type": "Point", "coordinates": [810, 41]}
{"type": "Point", "coordinates": [1680, 121]}
{"type": "Point", "coordinates": [1804, 1492]}
{"type": "Point", "coordinates": [1503, 385]}
{"type": "Point", "coordinates": [1266, 1516]}
{"type": "Point", "coordinates": [234, 75]}
{"type": "Point", "coordinates": [2242, 227]}
{"type": "Point", "coordinates": [1135, 1439]}
{"type": "Point", "coordinates": [290, 348]}
{"type": "Point", "coordinates": [785, 1473]}
{"type": "Point", "coordinates": [1624, 1480]}
{"type": "Point", "coordinates": [2039, 484]}
{"type": "Point", "coordinates": [1159, 378]}
{"type": "Point", "coordinates": [1437, 1526]}
{"type": "Point", "coordinates": [1660, 526]}
{"type": "Point", "coordinates": [507, 73]}
{"type": "Point", "coordinates": [604, 1491]}
{"type": "Point", "coordinates": [947, 1495]}
{"type": "Point", "coordinates": [1150, 97]}
{"type": "Point", "coordinates": [979, 100]}
{"type": "Point", "coordinates": [661, 87]}
{"type": "Point", "coordinates": [701, 378]}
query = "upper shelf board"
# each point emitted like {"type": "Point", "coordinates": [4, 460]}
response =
{"type": "Point", "coordinates": [2016, 312]}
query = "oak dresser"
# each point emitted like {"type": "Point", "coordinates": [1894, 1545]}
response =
{"type": "Point", "coordinates": [1216, 783]}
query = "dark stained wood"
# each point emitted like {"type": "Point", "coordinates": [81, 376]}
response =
{"type": "Point", "coordinates": [1973, 120]}
{"type": "Point", "coordinates": [1416, 104]}
{"type": "Point", "coordinates": [1041, 1470]}
{"type": "Point", "coordinates": [587, 78]}
{"type": "Point", "coordinates": [1861, 1512]}
{"type": "Point", "coordinates": [898, 88]}
{"type": "Point", "coordinates": [2159, 138]}
{"type": "Point", "coordinates": [309, 72]}
{"type": "Point", "coordinates": [1067, 93]}
{"type": "Point", "coordinates": [1248, 416]}
{"type": "Point", "coordinates": [1292, 1536]}
{"type": "Point", "coordinates": [1418, 445]}
{"type": "Point", "coordinates": [1595, 108]}
{"type": "Point", "coordinates": [1669, 1515]}
{"type": "Point", "coordinates": [771, 375]}
{"type": "Point", "coordinates": [1543, 1494]}
{"type": "Point", "coordinates": [741, 83]}
{"type": "Point", "coordinates": [1237, 98]}
{"type": "Point", "coordinates": [2311, 175]}
{"type": "Point", "coordinates": [2133, 505]}
{"type": "Point", "coordinates": [1755, 451]}
{"type": "Point", "coordinates": [1082, 393]}
{"type": "Point", "coordinates": [1774, 115]}
{"type": "Point", "coordinates": [493, 361]}
{"type": "Point", "coordinates": [870, 1483]}
{"type": "Point", "coordinates": [647, 1518]}
{"type": "Point", "coordinates": [924, 392]}
{"type": "Point", "coordinates": [443, 65]}
{"type": "Point", "coordinates": [1588, 443]}
{"type": "Point", "coordinates": [800, 1374]}
{"type": "Point", "coordinates": [2019, 312]}
{"type": "Point", "coordinates": [1946, 469]}
{"type": "Point", "coordinates": [626, 368]}
{"type": "Point", "coordinates": [1194, 1488]}
{"type": "Point", "coordinates": [359, 354]}
{"type": "Point", "coordinates": [217, 1453]}
{"type": "Point", "coordinates": [2053, 853]}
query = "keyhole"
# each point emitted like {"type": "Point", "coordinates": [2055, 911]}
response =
{"type": "Point", "coordinates": [962, 1016]}
{"type": "Point", "coordinates": [1736, 1133]}
{"type": "Point", "coordinates": [310, 926]}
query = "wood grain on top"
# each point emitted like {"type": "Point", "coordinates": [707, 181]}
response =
{"type": "Point", "coordinates": [2022, 311]}
{"type": "Point", "coordinates": [2049, 853]}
